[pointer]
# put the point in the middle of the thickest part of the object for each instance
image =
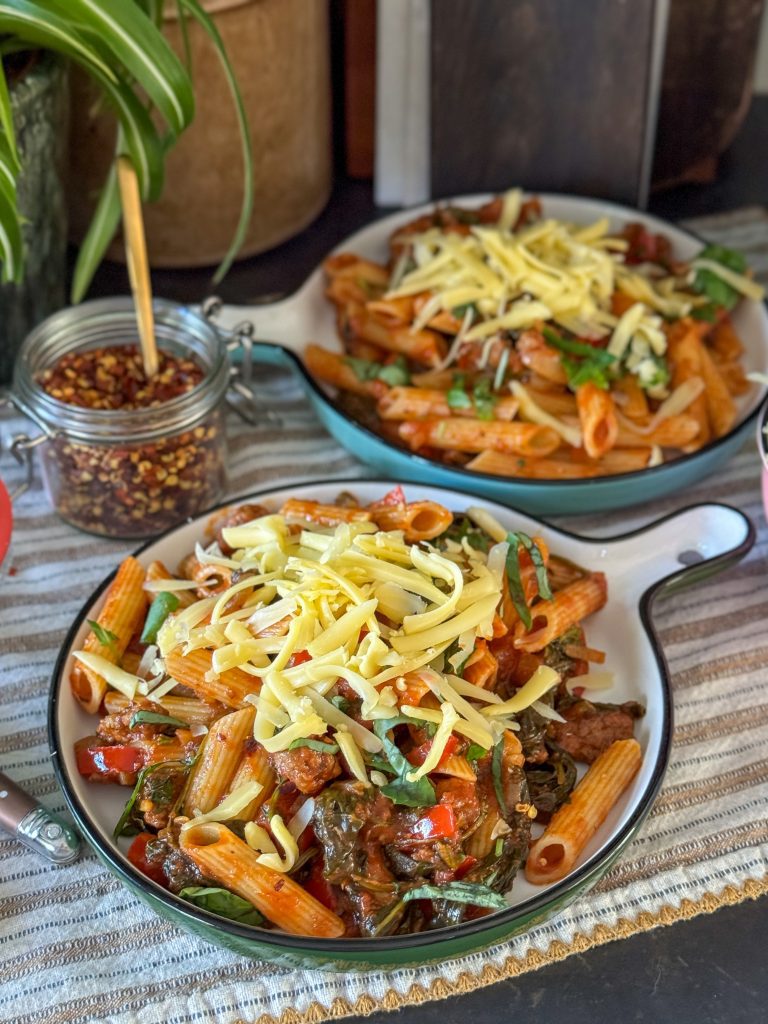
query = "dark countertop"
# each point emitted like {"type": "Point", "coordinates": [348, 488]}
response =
{"type": "Point", "coordinates": [709, 970]}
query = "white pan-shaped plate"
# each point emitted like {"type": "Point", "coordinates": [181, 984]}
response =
{"type": "Point", "coordinates": [284, 329]}
{"type": "Point", "coordinates": [678, 550]}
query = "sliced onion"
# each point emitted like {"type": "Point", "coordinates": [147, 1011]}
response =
{"type": "Point", "coordinates": [547, 712]}
{"type": "Point", "coordinates": [301, 818]}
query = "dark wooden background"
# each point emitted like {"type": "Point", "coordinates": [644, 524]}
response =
{"type": "Point", "coordinates": [549, 94]}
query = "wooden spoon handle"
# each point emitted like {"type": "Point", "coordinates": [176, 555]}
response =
{"type": "Point", "coordinates": [138, 264]}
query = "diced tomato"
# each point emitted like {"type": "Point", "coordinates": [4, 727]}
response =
{"type": "Point", "coordinates": [318, 886]}
{"type": "Point", "coordinates": [439, 822]}
{"type": "Point", "coordinates": [419, 754]}
{"type": "Point", "coordinates": [577, 691]}
{"type": "Point", "coordinates": [466, 865]}
{"type": "Point", "coordinates": [137, 855]}
{"type": "Point", "coordinates": [299, 658]}
{"type": "Point", "coordinates": [104, 760]}
{"type": "Point", "coordinates": [393, 497]}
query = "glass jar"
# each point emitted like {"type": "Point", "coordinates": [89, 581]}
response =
{"type": "Point", "coordinates": [128, 473]}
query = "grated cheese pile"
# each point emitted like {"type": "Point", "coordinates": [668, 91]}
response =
{"type": "Point", "coordinates": [318, 591]}
{"type": "Point", "coordinates": [550, 271]}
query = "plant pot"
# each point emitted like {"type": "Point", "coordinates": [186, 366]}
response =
{"type": "Point", "coordinates": [279, 50]}
{"type": "Point", "coordinates": [39, 101]}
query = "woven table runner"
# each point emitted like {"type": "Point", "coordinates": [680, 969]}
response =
{"type": "Point", "coordinates": [77, 948]}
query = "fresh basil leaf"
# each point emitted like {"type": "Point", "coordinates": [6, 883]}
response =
{"type": "Point", "coordinates": [155, 718]}
{"type": "Point", "coordinates": [584, 372]}
{"type": "Point", "coordinates": [458, 892]}
{"type": "Point", "coordinates": [484, 400]}
{"type": "Point", "coordinates": [222, 902]}
{"type": "Point", "coordinates": [104, 636]}
{"type": "Point", "coordinates": [542, 578]}
{"type": "Point", "coordinates": [461, 311]}
{"type": "Point", "coordinates": [159, 610]}
{"type": "Point", "coordinates": [475, 752]}
{"type": "Point", "coordinates": [395, 374]}
{"type": "Point", "coordinates": [400, 791]}
{"type": "Point", "coordinates": [463, 527]}
{"type": "Point", "coordinates": [496, 769]}
{"type": "Point", "coordinates": [456, 396]}
{"type": "Point", "coordinates": [364, 369]}
{"type": "Point", "coordinates": [578, 348]}
{"type": "Point", "coordinates": [707, 313]}
{"type": "Point", "coordinates": [514, 579]}
{"type": "Point", "coordinates": [719, 292]}
{"type": "Point", "coordinates": [341, 703]}
{"type": "Point", "coordinates": [323, 748]}
{"type": "Point", "coordinates": [410, 794]}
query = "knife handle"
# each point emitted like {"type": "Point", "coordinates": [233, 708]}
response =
{"type": "Point", "coordinates": [34, 825]}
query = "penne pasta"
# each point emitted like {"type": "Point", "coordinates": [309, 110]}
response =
{"type": "Point", "coordinates": [721, 408]}
{"type": "Point", "coordinates": [468, 435]}
{"type": "Point", "coordinates": [419, 520]}
{"type": "Point", "coordinates": [553, 855]}
{"type": "Point", "coordinates": [218, 762]}
{"type": "Point", "coordinates": [408, 403]}
{"type": "Point", "coordinates": [568, 606]}
{"type": "Point", "coordinates": [323, 515]}
{"type": "Point", "coordinates": [121, 616]}
{"type": "Point", "coordinates": [597, 413]}
{"type": "Point", "coordinates": [230, 862]}
{"type": "Point", "coordinates": [195, 670]}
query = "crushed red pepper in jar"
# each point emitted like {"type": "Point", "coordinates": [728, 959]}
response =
{"type": "Point", "coordinates": [123, 486]}
{"type": "Point", "coordinates": [113, 378]}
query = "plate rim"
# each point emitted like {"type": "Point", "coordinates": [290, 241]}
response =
{"type": "Point", "coordinates": [560, 891]}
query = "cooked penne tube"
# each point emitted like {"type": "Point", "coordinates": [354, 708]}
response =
{"type": "Point", "coordinates": [481, 667]}
{"type": "Point", "coordinates": [393, 312]}
{"type": "Point", "coordinates": [347, 264]}
{"type": "Point", "coordinates": [673, 432]}
{"type": "Point", "coordinates": [734, 377]}
{"type": "Point", "coordinates": [122, 616]}
{"type": "Point", "coordinates": [254, 766]}
{"type": "Point", "coordinates": [323, 515]}
{"type": "Point", "coordinates": [420, 520]}
{"type": "Point", "coordinates": [685, 348]}
{"type": "Point", "coordinates": [630, 398]}
{"type": "Point", "coordinates": [230, 862]}
{"type": "Point", "coordinates": [426, 347]}
{"type": "Point", "coordinates": [195, 670]}
{"type": "Point", "coordinates": [186, 709]}
{"type": "Point", "coordinates": [407, 403]}
{"type": "Point", "coordinates": [725, 341]}
{"type": "Point", "coordinates": [568, 606]}
{"type": "Point", "coordinates": [540, 357]}
{"type": "Point", "coordinates": [346, 292]}
{"type": "Point", "coordinates": [465, 435]}
{"type": "Point", "coordinates": [503, 464]}
{"type": "Point", "coordinates": [721, 408]}
{"type": "Point", "coordinates": [336, 370]}
{"type": "Point", "coordinates": [457, 767]}
{"type": "Point", "coordinates": [157, 571]}
{"type": "Point", "coordinates": [597, 415]}
{"type": "Point", "coordinates": [218, 761]}
{"type": "Point", "coordinates": [555, 853]}
{"type": "Point", "coordinates": [555, 401]}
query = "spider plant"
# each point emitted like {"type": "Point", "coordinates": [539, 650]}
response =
{"type": "Point", "coordinates": [120, 45]}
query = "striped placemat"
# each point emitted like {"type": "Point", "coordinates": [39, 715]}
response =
{"type": "Point", "coordinates": [77, 948]}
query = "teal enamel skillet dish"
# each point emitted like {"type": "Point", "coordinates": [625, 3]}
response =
{"type": "Point", "coordinates": [284, 328]}
{"type": "Point", "coordinates": [639, 566]}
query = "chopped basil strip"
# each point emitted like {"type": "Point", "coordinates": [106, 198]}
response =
{"type": "Point", "coordinates": [155, 718]}
{"type": "Point", "coordinates": [456, 396]}
{"type": "Point", "coordinates": [400, 791]}
{"type": "Point", "coordinates": [516, 591]}
{"type": "Point", "coordinates": [159, 610]}
{"type": "Point", "coordinates": [591, 365]}
{"type": "Point", "coordinates": [458, 892]}
{"type": "Point", "coordinates": [483, 399]}
{"type": "Point", "coordinates": [496, 767]}
{"type": "Point", "coordinates": [222, 902]}
{"type": "Point", "coordinates": [461, 311]}
{"type": "Point", "coordinates": [104, 636]}
{"type": "Point", "coordinates": [719, 292]}
{"type": "Point", "coordinates": [542, 579]}
{"type": "Point", "coordinates": [395, 373]}
{"type": "Point", "coordinates": [476, 752]}
{"type": "Point", "coordinates": [323, 748]}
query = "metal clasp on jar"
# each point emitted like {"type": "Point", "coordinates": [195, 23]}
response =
{"type": "Point", "coordinates": [242, 395]}
{"type": "Point", "coordinates": [21, 446]}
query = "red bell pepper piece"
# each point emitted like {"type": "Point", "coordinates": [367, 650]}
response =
{"type": "Point", "coordinates": [439, 822]}
{"type": "Point", "coordinates": [103, 760]}
{"type": "Point", "coordinates": [466, 865]}
{"type": "Point", "coordinates": [137, 855]}
{"type": "Point", "coordinates": [299, 658]}
{"type": "Point", "coordinates": [394, 497]}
